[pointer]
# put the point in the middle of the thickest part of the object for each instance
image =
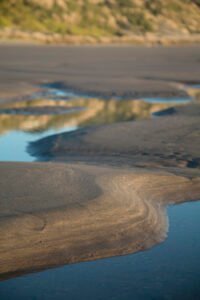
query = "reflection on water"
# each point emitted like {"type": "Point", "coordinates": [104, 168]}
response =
{"type": "Point", "coordinates": [13, 144]}
{"type": "Point", "coordinates": [168, 271]}
{"type": "Point", "coordinates": [172, 100]}
{"type": "Point", "coordinates": [38, 111]}
{"type": "Point", "coordinates": [195, 86]}
{"type": "Point", "coordinates": [25, 121]}
{"type": "Point", "coordinates": [58, 89]}
{"type": "Point", "coordinates": [193, 90]}
{"type": "Point", "coordinates": [42, 114]}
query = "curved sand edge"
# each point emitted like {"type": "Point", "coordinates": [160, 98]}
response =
{"type": "Point", "coordinates": [158, 142]}
{"type": "Point", "coordinates": [58, 213]}
{"type": "Point", "coordinates": [63, 213]}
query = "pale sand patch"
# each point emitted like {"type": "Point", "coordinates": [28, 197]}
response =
{"type": "Point", "coordinates": [53, 214]}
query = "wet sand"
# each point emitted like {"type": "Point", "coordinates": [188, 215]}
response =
{"type": "Point", "coordinates": [102, 191]}
{"type": "Point", "coordinates": [110, 202]}
{"type": "Point", "coordinates": [170, 141]}
{"type": "Point", "coordinates": [112, 70]}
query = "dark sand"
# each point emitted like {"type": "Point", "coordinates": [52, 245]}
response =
{"type": "Point", "coordinates": [112, 200]}
{"type": "Point", "coordinates": [170, 141]}
{"type": "Point", "coordinates": [58, 213]}
{"type": "Point", "coordinates": [123, 71]}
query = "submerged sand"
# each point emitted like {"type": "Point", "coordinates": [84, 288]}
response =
{"type": "Point", "coordinates": [103, 191]}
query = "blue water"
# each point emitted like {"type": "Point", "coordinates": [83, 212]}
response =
{"type": "Point", "coordinates": [58, 90]}
{"type": "Point", "coordinates": [14, 143]}
{"type": "Point", "coordinates": [169, 271]}
{"type": "Point", "coordinates": [57, 93]}
{"type": "Point", "coordinates": [173, 100]}
{"type": "Point", "coordinates": [195, 86]}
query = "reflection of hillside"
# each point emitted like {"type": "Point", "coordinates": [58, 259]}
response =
{"type": "Point", "coordinates": [97, 111]}
{"type": "Point", "coordinates": [194, 92]}
{"type": "Point", "coordinates": [43, 122]}
{"type": "Point", "coordinates": [125, 110]}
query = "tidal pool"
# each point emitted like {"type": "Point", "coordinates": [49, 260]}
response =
{"type": "Point", "coordinates": [13, 144]}
{"type": "Point", "coordinates": [55, 110]}
{"type": "Point", "coordinates": [173, 100]}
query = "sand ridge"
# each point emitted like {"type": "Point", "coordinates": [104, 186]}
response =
{"type": "Point", "coordinates": [111, 201]}
{"type": "Point", "coordinates": [159, 142]}
{"type": "Point", "coordinates": [125, 214]}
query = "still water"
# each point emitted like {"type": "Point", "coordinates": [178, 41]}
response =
{"type": "Point", "coordinates": [170, 270]}
{"type": "Point", "coordinates": [13, 144]}
{"type": "Point", "coordinates": [53, 110]}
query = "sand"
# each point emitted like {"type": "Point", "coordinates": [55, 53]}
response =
{"type": "Point", "coordinates": [98, 192]}
{"type": "Point", "coordinates": [110, 202]}
{"type": "Point", "coordinates": [170, 141]}
{"type": "Point", "coordinates": [57, 213]}
{"type": "Point", "coordinates": [105, 71]}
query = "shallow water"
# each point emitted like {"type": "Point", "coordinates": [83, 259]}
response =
{"type": "Point", "coordinates": [194, 86]}
{"type": "Point", "coordinates": [14, 143]}
{"type": "Point", "coordinates": [170, 270]}
{"type": "Point", "coordinates": [55, 110]}
{"type": "Point", "coordinates": [173, 100]}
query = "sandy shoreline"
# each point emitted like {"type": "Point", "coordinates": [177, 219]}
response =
{"type": "Point", "coordinates": [160, 142]}
{"type": "Point", "coordinates": [60, 212]}
{"type": "Point", "coordinates": [102, 191]}
{"type": "Point", "coordinates": [101, 212]}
